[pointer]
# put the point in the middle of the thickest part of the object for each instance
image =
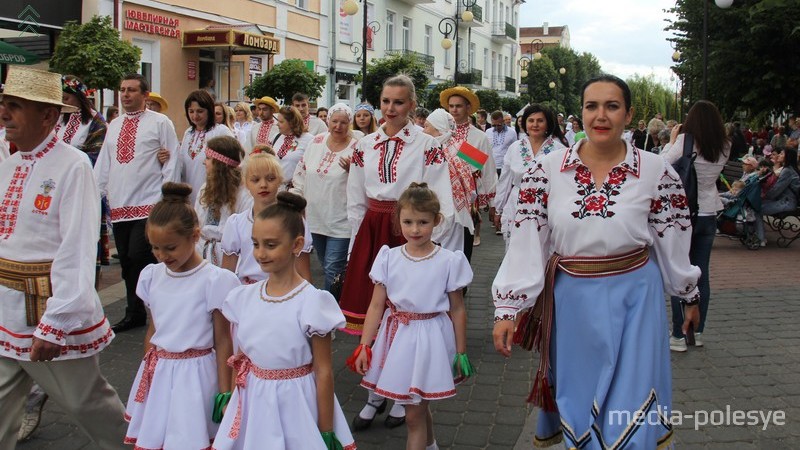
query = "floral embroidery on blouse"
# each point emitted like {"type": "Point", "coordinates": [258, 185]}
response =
{"type": "Point", "coordinates": [597, 202]}
{"type": "Point", "coordinates": [198, 142]}
{"type": "Point", "coordinates": [532, 200]}
{"type": "Point", "coordinates": [434, 156]}
{"type": "Point", "coordinates": [670, 207]}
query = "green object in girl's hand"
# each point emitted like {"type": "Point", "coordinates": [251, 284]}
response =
{"type": "Point", "coordinates": [331, 443]}
{"type": "Point", "coordinates": [462, 362]}
{"type": "Point", "coordinates": [220, 401]}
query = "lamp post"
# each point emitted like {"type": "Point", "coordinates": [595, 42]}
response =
{"type": "Point", "coordinates": [449, 25]}
{"type": "Point", "coordinates": [350, 7]}
{"type": "Point", "coordinates": [676, 57]}
{"type": "Point", "coordinates": [561, 71]}
{"type": "Point", "coordinates": [724, 4]}
{"type": "Point", "coordinates": [524, 62]}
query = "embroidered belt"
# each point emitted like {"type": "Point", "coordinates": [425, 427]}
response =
{"type": "Point", "coordinates": [583, 267]}
{"type": "Point", "coordinates": [381, 206]}
{"type": "Point", "coordinates": [242, 364]}
{"type": "Point", "coordinates": [32, 279]}
{"type": "Point", "coordinates": [151, 359]}
{"type": "Point", "coordinates": [394, 320]}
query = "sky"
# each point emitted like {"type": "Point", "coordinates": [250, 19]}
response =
{"type": "Point", "coordinates": [626, 36]}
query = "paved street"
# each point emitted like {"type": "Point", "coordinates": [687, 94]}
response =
{"type": "Point", "coordinates": [750, 362]}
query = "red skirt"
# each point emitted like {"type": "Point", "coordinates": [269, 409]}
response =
{"type": "Point", "coordinates": [377, 229]}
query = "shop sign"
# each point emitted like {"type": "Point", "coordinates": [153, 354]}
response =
{"type": "Point", "coordinates": [191, 70]}
{"type": "Point", "coordinates": [150, 23]}
{"type": "Point", "coordinates": [268, 44]}
{"type": "Point", "coordinates": [255, 64]}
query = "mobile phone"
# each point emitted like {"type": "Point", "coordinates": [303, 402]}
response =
{"type": "Point", "coordinates": [690, 335]}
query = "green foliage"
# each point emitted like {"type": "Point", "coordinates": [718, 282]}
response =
{"type": "Point", "coordinates": [579, 68]}
{"type": "Point", "coordinates": [752, 57]}
{"type": "Point", "coordinates": [95, 53]}
{"type": "Point", "coordinates": [378, 70]}
{"type": "Point", "coordinates": [648, 97]}
{"type": "Point", "coordinates": [432, 95]}
{"type": "Point", "coordinates": [512, 104]}
{"type": "Point", "coordinates": [286, 79]}
{"type": "Point", "coordinates": [490, 100]}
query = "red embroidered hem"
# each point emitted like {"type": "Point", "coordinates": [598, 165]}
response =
{"type": "Point", "coordinates": [132, 441]}
{"type": "Point", "coordinates": [130, 212]}
{"type": "Point", "coordinates": [82, 348]}
{"type": "Point", "coordinates": [424, 395]}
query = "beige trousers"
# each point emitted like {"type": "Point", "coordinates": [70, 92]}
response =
{"type": "Point", "coordinates": [76, 385]}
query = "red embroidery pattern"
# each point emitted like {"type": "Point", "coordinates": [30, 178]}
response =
{"type": "Point", "coordinates": [287, 146]}
{"type": "Point", "coordinates": [82, 348]}
{"type": "Point", "coordinates": [151, 359]}
{"type": "Point", "coordinates": [461, 180]}
{"type": "Point", "coordinates": [597, 202]}
{"type": "Point", "coordinates": [47, 329]}
{"type": "Point", "coordinates": [357, 158]}
{"type": "Point", "coordinates": [130, 212]}
{"type": "Point", "coordinates": [72, 127]}
{"type": "Point", "coordinates": [243, 366]}
{"type": "Point", "coordinates": [485, 199]}
{"type": "Point", "coordinates": [670, 207]}
{"type": "Point", "coordinates": [197, 143]}
{"type": "Point", "coordinates": [126, 142]}
{"type": "Point", "coordinates": [434, 155]}
{"type": "Point", "coordinates": [393, 322]}
{"type": "Point", "coordinates": [460, 134]}
{"type": "Point", "coordinates": [387, 163]}
{"type": "Point", "coordinates": [325, 163]}
{"type": "Point", "coordinates": [263, 132]}
{"type": "Point", "coordinates": [532, 199]}
{"type": "Point", "coordinates": [132, 441]}
{"type": "Point", "coordinates": [9, 207]}
{"type": "Point", "coordinates": [412, 389]}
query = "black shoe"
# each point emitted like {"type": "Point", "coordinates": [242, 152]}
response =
{"type": "Point", "coordinates": [128, 323]}
{"type": "Point", "coordinates": [394, 422]}
{"type": "Point", "coordinates": [360, 423]}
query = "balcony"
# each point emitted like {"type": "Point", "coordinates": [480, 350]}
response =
{"type": "Point", "coordinates": [511, 84]}
{"type": "Point", "coordinates": [504, 33]}
{"type": "Point", "coordinates": [472, 77]}
{"type": "Point", "coordinates": [427, 60]}
{"type": "Point", "coordinates": [417, 2]}
{"type": "Point", "coordinates": [477, 18]}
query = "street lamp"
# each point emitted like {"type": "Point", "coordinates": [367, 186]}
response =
{"type": "Point", "coordinates": [524, 62]}
{"type": "Point", "coordinates": [350, 7]}
{"type": "Point", "coordinates": [561, 71]}
{"type": "Point", "coordinates": [449, 25]}
{"type": "Point", "coordinates": [721, 4]}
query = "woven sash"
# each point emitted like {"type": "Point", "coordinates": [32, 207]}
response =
{"type": "Point", "coordinates": [32, 279]}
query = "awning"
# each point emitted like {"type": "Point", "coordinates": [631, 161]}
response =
{"type": "Point", "coordinates": [10, 54]}
{"type": "Point", "coordinates": [236, 41]}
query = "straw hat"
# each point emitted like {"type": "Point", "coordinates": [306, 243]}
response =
{"type": "Point", "coordinates": [35, 85]}
{"type": "Point", "coordinates": [270, 102]}
{"type": "Point", "coordinates": [158, 99]}
{"type": "Point", "coordinates": [473, 100]}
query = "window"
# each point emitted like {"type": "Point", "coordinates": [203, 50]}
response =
{"type": "Point", "coordinates": [406, 33]}
{"type": "Point", "coordinates": [389, 30]}
{"type": "Point", "coordinates": [344, 91]}
{"type": "Point", "coordinates": [486, 62]}
{"type": "Point", "coordinates": [302, 4]}
{"type": "Point", "coordinates": [428, 40]}
{"type": "Point", "coordinates": [471, 55]}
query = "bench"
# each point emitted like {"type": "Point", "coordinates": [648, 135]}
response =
{"type": "Point", "coordinates": [787, 224]}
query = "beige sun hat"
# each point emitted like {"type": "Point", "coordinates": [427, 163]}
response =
{"type": "Point", "coordinates": [35, 85]}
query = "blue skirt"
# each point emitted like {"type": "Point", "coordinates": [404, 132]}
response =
{"type": "Point", "coordinates": [610, 361]}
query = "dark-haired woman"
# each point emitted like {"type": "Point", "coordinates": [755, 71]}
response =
{"type": "Point", "coordinates": [199, 107]}
{"type": "Point", "coordinates": [291, 143]}
{"type": "Point", "coordinates": [712, 146]}
{"type": "Point", "coordinates": [782, 195]}
{"type": "Point", "coordinates": [538, 124]}
{"type": "Point", "coordinates": [588, 220]}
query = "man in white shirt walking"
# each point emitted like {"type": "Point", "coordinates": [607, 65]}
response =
{"type": "Point", "coordinates": [501, 137]}
{"type": "Point", "coordinates": [314, 124]}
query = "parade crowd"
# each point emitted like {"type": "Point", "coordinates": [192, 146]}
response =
{"type": "Point", "coordinates": [215, 233]}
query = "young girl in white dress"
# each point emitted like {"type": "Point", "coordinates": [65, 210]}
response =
{"type": "Point", "coordinates": [188, 343]}
{"type": "Point", "coordinates": [263, 179]}
{"type": "Point", "coordinates": [221, 195]}
{"type": "Point", "coordinates": [284, 395]}
{"type": "Point", "coordinates": [420, 350]}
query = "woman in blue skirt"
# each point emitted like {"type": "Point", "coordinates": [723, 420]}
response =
{"type": "Point", "coordinates": [601, 230]}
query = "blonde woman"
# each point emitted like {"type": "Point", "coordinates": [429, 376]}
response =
{"type": "Point", "coordinates": [243, 122]}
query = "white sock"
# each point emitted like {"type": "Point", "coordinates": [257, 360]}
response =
{"type": "Point", "coordinates": [397, 410]}
{"type": "Point", "coordinates": [432, 446]}
{"type": "Point", "coordinates": [371, 408]}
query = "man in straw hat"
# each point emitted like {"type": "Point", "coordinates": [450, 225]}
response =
{"type": "Point", "coordinates": [461, 102]}
{"type": "Point", "coordinates": [156, 102]}
{"type": "Point", "coordinates": [264, 132]}
{"type": "Point", "coordinates": [129, 172]}
{"type": "Point", "coordinates": [52, 325]}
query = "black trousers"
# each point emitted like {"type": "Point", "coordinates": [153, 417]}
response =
{"type": "Point", "coordinates": [134, 255]}
{"type": "Point", "coordinates": [469, 239]}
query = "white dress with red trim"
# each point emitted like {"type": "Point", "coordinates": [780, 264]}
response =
{"type": "Point", "coordinates": [323, 183]}
{"type": "Point", "coordinates": [211, 228]}
{"type": "Point", "coordinates": [413, 353]}
{"type": "Point", "coordinates": [290, 150]}
{"type": "Point", "coordinates": [172, 396]}
{"type": "Point", "coordinates": [192, 155]}
{"type": "Point", "coordinates": [274, 405]}
{"type": "Point", "coordinates": [50, 212]}
{"type": "Point", "coordinates": [127, 169]}
{"type": "Point", "coordinates": [237, 240]}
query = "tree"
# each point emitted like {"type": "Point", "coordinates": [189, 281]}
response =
{"type": "Point", "coordinates": [490, 100]}
{"type": "Point", "coordinates": [649, 97]}
{"type": "Point", "coordinates": [432, 95]}
{"type": "Point", "coordinates": [378, 70]}
{"type": "Point", "coordinates": [95, 53]}
{"type": "Point", "coordinates": [578, 69]}
{"type": "Point", "coordinates": [752, 56]}
{"type": "Point", "coordinates": [512, 104]}
{"type": "Point", "coordinates": [286, 79]}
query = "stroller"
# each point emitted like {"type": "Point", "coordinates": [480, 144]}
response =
{"type": "Point", "coordinates": [738, 217]}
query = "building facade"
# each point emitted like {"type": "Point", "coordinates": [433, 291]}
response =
{"type": "Point", "coordinates": [487, 45]}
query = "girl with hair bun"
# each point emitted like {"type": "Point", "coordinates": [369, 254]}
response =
{"type": "Point", "coordinates": [284, 394]}
{"type": "Point", "coordinates": [221, 195]}
{"type": "Point", "coordinates": [420, 351]}
{"type": "Point", "coordinates": [183, 374]}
